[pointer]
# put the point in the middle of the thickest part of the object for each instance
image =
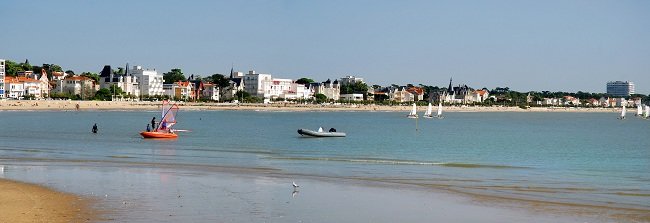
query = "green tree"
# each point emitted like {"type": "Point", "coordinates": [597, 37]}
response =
{"type": "Point", "coordinates": [26, 66]}
{"type": "Point", "coordinates": [12, 68]}
{"type": "Point", "coordinates": [242, 95]}
{"type": "Point", "coordinates": [320, 98]}
{"type": "Point", "coordinates": [71, 72]}
{"type": "Point", "coordinates": [219, 80]}
{"type": "Point", "coordinates": [116, 90]}
{"type": "Point", "coordinates": [103, 94]}
{"type": "Point", "coordinates": [358, 87]}
{"type": "Point", "coordinates": [304, 80]}
{"type": "Point", "coordinates": [174, 75]}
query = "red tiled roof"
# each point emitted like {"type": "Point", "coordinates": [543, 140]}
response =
{"type": "Point", "coordinates": [20, 80]}
{"type": "Point", "coordinates": [481, 92]}
{"type": "Point", "coordinates": [415, 90]}
{"type": "Point", "coordinates": [78, 78]}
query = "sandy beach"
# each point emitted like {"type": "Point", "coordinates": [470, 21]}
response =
{"type": "Point", "coordinates": [62, 105]}
{"type": "Point", "coordinates": [22, 202]}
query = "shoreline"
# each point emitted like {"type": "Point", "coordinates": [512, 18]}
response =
{"type": "Point", "coordinates": [26, 202]}
{"type": "Point", "coordinates": [62, 105]}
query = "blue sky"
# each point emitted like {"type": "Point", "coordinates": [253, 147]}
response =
{"type": "Point", "coordinates": [525, 45]}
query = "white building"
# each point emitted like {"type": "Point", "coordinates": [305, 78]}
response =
{"type": "Point", "coordinates": [332, 90]}
{"type": "Point", "coordinates": [280, 88]}
{"type": "Point", "coordinates": [151, 83]}
{"type": "Point", "coordinates": [351, 97]}
{"type": "Point", "coordinates": [77, 85]}
{"type": "Point", "coordinates": [2, 78]}
{"type": "Point", "coordinates": [347, 80]}
{"type": "Point", "coordinates": [257, 84]}
{"type": "Point", "coordinates": [18, 87]}
{"type": "Point", "coordinates": [211, 92]}
{"type": "Point", "coordinates": [127, 83]}
{"type": "Point", "coordinates": [182, 90]}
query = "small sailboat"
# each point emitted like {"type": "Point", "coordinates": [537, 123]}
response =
{"type": "Point", "coordinates": [439, 114]}
{"type": "Point", "coordinates": [413, 113]}
{"type": "Point", "coordinates": [164, 129]}
{"type": "Point", "coordinates": [428, 114]}
{"type": "Point", "coordinates": [623, 111]}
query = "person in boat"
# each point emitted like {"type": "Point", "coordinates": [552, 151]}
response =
{"type": "Point", "coordinates": [148, 128]}
{"type": "Point", "coordinates": [332, 130]}
{"type": "Point", "coordinates": [153, 122]}
{"type": "Point", "coordinates": [94, 130]}
{"type": "Point", "coordinates": [163, 127]}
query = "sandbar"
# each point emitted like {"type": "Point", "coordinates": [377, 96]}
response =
{"type": "Point", "coordinates": [22, 202]}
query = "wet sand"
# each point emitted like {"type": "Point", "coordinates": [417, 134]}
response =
{"type": "Point", "coordinates": [22, 202]}
{"type": "Point", "coordinates": [60, 105]}
{"type": "Point", "coordinates": [141, 192]}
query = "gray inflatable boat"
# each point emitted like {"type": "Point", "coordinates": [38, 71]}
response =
{"type": "Point", "coordinates": [307, 132]}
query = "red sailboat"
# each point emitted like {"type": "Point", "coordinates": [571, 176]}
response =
{"type": "Point", "coordinates": [164, 129]}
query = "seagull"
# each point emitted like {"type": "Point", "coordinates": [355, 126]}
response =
{"type": "Point", "coordinates": [295, 186]}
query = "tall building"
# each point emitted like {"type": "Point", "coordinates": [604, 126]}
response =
{"type": "Point", "coordinates": [2, 78]}
{"type": "Point", "coordinates": [151, 83]}
{"type": "Point", "coordinates": [256, 84]}
{"type": "Point", "coordinates": [620, 88]}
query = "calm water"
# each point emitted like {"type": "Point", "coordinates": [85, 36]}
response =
{"type": "Point", "coordinates": [585, 158]}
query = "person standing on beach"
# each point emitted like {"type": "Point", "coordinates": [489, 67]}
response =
{"type": "Point", "coordinates": [153, 123]}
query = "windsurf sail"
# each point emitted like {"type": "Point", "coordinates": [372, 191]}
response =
{"type": "Point", "coordinates": [168, 115]}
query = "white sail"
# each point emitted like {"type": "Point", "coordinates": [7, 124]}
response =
{"type": "Point", "coordinates": [623, 112]}
{"type": "Point", "coordinates": [440, 109]}
{"type": "Point", "coordinates": [639, 110]}
{"type": "Point", "coordinates": [413, 113]}
{"type": "Point", "coordinates": [428, 112]}
{"type": "Point", "coordinates": [647, 112]}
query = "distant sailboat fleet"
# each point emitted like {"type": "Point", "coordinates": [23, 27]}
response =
{"type": "Point", "coordinates": [428, 113]}
{"type": "Point", "coordinates": [642, 111]}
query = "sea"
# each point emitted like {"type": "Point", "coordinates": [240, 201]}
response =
{"type": "Point", "coordinates": [572, 158]}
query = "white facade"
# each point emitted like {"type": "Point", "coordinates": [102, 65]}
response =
{"type": "Point", "coordinates": [211, 91]}
{"type": "Point", "coordinates": [17, 87]}
{"type": "Point", "coordinates": [332, 90]}
{"type": "Point", "coordinates": [347, 80]}
{"type": "Point", "coordinates": [257, 84]}
{"type": "Point", "coordinates": [151, 83]}
{"type": "Point", "coordinates": [2, 78]}
{"type": "Point", "coordinates": [128, 84]}
{"type": "Point", "coordinates": [77, 85]}
{"type": "Point", "coordinates": [14, 88]}
{"type": "Point", "coordinates": [280, 88]}
{"type": "Point", "coordinates": [351, 97]}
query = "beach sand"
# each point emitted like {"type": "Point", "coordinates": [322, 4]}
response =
{"type": "Point", "coordinates": [21, 202]}
{"type": "Point", "coordinates": [62, 105]}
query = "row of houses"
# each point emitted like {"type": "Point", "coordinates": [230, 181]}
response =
{"type": "Point", "coordinates": [136, 81]}
{"type": "Point", "coordinates": [602, 102]}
